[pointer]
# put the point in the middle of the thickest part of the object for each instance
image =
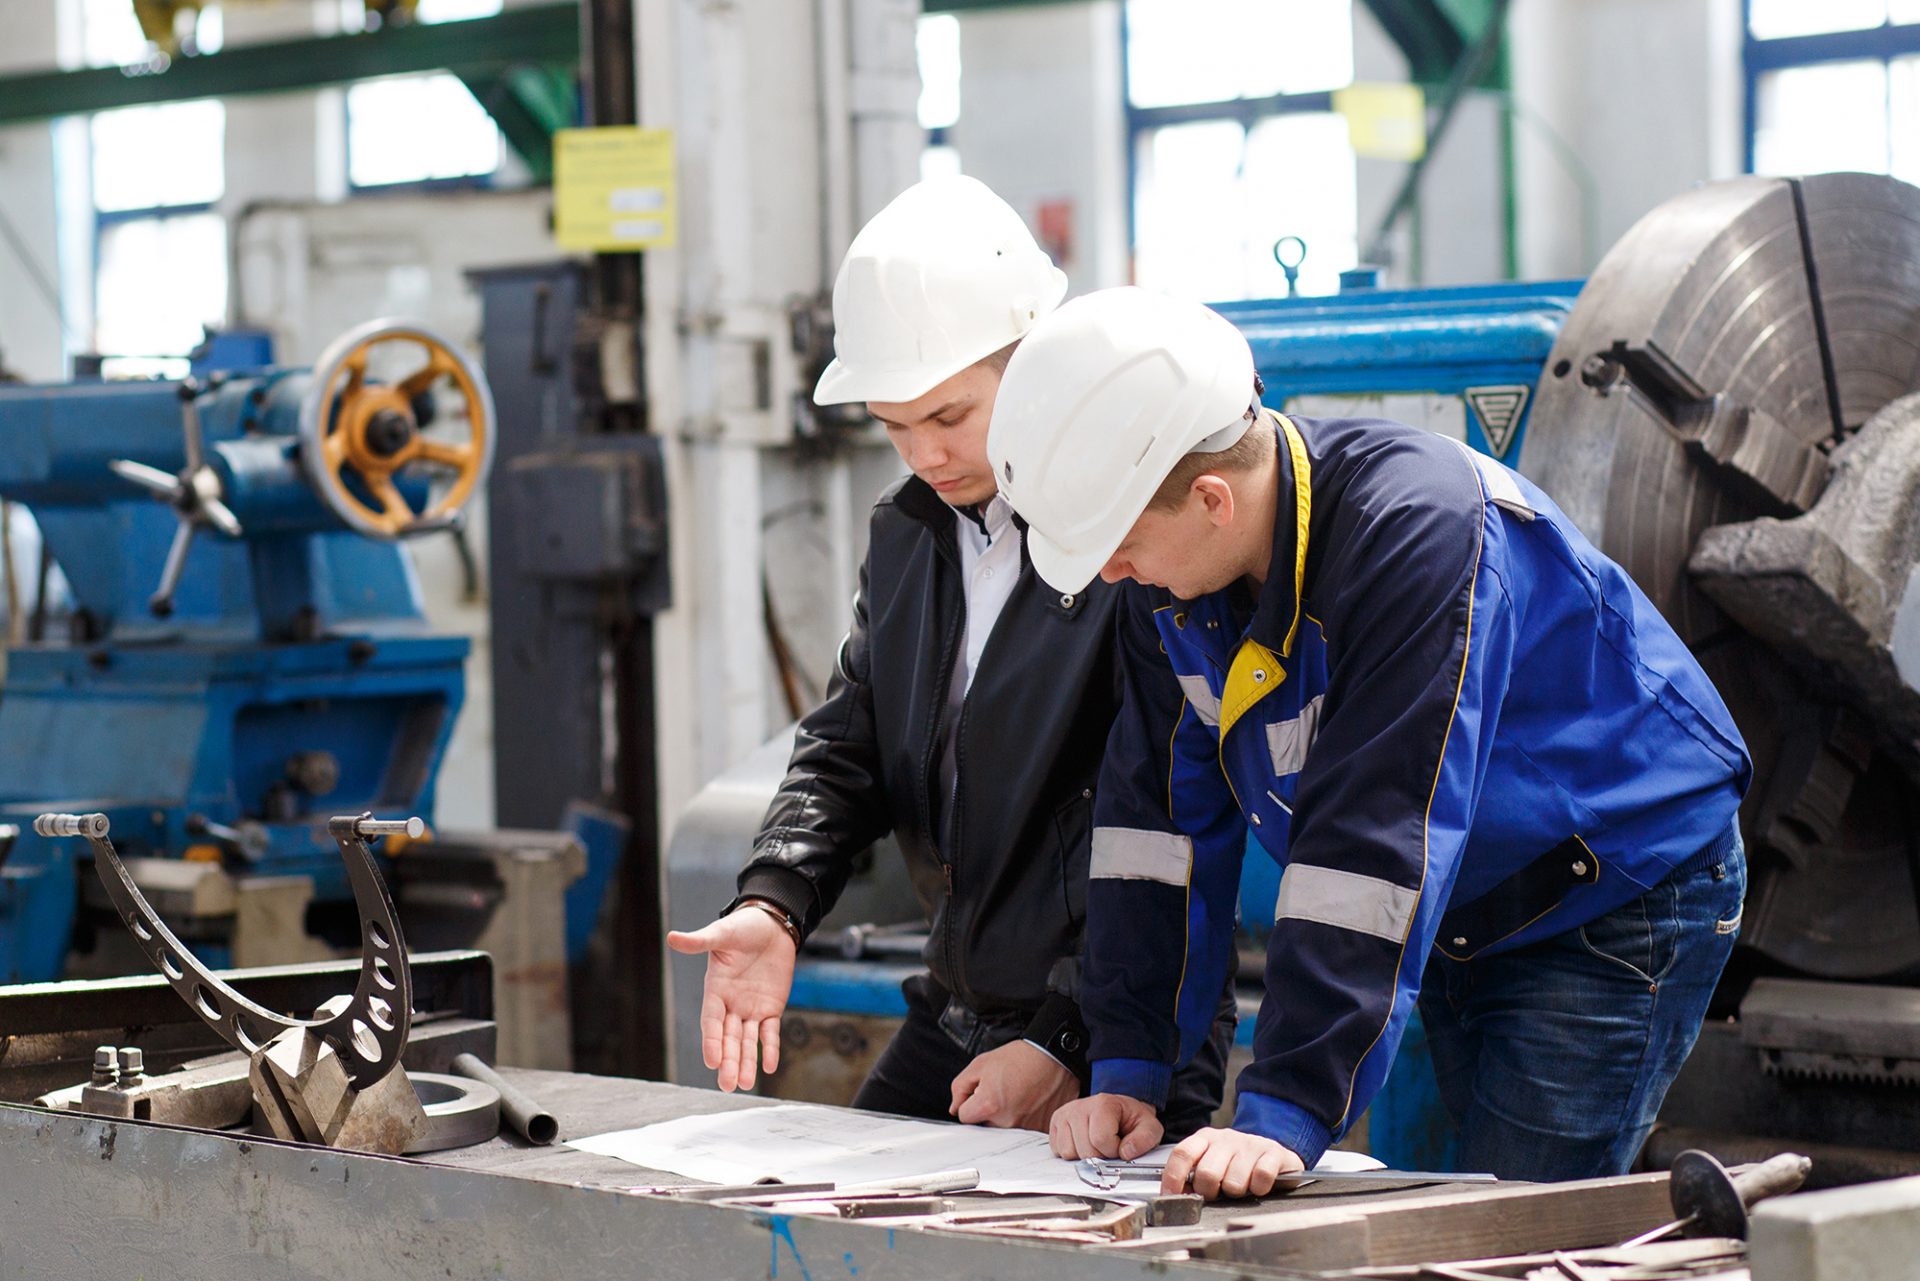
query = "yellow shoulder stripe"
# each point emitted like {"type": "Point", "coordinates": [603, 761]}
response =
{"type": "Point", "coordinates": [1302, 517]}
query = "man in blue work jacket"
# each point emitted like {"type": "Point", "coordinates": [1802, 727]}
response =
{"type": "Point", "coordinates": [1480, 755]}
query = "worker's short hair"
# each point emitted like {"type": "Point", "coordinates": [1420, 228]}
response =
{"type": "Point", "coordinates": [997, 362]}
{"type": "Point", "coordinates": [1253, 449]}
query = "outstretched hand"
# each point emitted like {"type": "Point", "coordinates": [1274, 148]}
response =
{"type": "Point", "coordinates": [749, 974]}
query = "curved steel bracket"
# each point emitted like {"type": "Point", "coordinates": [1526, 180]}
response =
{"type": "Point", "coordinates": [368, 1034]}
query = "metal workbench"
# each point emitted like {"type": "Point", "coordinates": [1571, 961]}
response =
{"type": "Point", "coordinates": [85, 1197]}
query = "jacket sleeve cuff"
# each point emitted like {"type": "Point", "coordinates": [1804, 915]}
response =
{"type": "Point", "coordinates": [1145, 1079]}
{"type": "Point", "coordinates": [1058, 1029]}
{"type": "Point", "coordinates": [787, 890]}
{"type": "Point", "coordinates": [1295, 1129]}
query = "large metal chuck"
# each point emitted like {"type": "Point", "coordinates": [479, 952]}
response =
{"type": "Point", "coordinates": [1700, 419]}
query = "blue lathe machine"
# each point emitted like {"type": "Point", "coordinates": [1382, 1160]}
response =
{"type": "Point", "coordinates": [244, 651]}
{"type": "Point", "coordinates": [1727, 408]}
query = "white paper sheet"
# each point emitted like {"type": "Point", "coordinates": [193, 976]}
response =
{"type": "Point", "coordinates": [805, 1143]}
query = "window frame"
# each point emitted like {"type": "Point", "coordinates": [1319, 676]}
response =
{"type": "Point", "coordinates": [1248, 112]}
{"type": "Point", "coordinates": [1759, 57]}
{"type": "Point", "coordinates": [488, 181]}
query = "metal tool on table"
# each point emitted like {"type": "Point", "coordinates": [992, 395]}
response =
{"type": "Point", "coordinates": [1106, 1175]}
{"type": "Point", "coordinates": [522, 1115]}
{"type": "Point", "coordinates": [333, 1079]}
{"type": "Point", "coordinates": [942, 1200]}
{"type": "Point", "coordinates": [1713, 1201]}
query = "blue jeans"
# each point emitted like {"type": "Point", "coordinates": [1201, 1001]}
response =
{"type": "Point", "coordinates": [1554, 1058]}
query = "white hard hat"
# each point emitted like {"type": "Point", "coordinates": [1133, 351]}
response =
{"type": "Point", "coordinates": [1098, 405]}
{"type": "Point", "coordinates": [944, 276]}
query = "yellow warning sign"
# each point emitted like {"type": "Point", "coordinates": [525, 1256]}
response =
{"type": "Point", "coordinates": [1384, 121]}
{"type": "Point", "coordinates": [613, 188]}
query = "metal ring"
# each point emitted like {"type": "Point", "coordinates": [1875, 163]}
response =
{"type": "Point", "coordinates": [368, 1033]}
{"type": "Point", "coordinates": [460, 1111]}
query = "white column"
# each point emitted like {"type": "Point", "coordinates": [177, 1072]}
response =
{"type": "Point", "coordinates": [30, 260]}
{"type": "Point", "coordinates": [1043, 124]}
{"type": "Point", "coordinates": [1582, 141]}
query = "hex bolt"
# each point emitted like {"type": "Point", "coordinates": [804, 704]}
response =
{"type": "Point", "coordinates": [106, 1065]}
{"type": "Point", "coordinates": [133, 1063]}
{"type": "Point", "coordinates": [412, 828]}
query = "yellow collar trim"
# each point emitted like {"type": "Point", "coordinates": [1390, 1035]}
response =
{"type": "Point", "coordinates": [1302, 517]}
{"type": "Point", "coordinates": [1256, 672]}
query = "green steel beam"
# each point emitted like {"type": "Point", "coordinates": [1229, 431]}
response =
{"type": "Point", "coordinates": [477, 49]}
{"type": "Point", "coordinates": [1426, 33]}
{"type": "Point", "coordinates": [528, 103]}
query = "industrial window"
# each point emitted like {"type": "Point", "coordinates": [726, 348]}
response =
{"type": "Point", "coordinates": [1216, 181]}
{"type": "Point", "coordinates": [160, 252]}
{"type": "Point", "coordinates": [937, 50]}
{"type": "Point", "coordinates": [1833, 86]}
{"type": "Point", "coordinates": [413, 129]}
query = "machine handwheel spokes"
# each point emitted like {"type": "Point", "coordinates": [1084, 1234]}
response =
{"type": "Point", "coordinates": [357, 435]}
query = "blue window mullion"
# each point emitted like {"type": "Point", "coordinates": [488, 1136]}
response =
{"type": "Point", "coordinates": [1880, 44]}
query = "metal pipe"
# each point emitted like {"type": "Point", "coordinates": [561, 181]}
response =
{"type": "Point", "coordinates": [1834, 1164]}
{"type": "Point", "coordinates": [412, 828]}
{"type": "Point", "coordinates": [529, 1120]}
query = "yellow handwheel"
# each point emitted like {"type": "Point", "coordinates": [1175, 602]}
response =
{"type": "Point", "coordinates": [354, 430]}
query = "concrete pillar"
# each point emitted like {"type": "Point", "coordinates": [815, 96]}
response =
{"type": "Point", "coordinates": [793, 122]}
{"type": "Point", "coordinates": [1042, 122]}
{"type": "Point", "coordinates": [1593, 82]}
{"type": "Point", "coordinates": [30, 319]}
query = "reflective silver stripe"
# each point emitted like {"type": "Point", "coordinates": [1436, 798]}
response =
{"type": "Point", "coordinates": [1288, 741]}
{"type": "Point", "coordinates": [1501, 487]}
{"type": "Point", "coordinates": [1134, 854]}
{"type": "Point", "coordinates": [1201, 695]}
{"type": "Point", "coordinates": [1344, 899]}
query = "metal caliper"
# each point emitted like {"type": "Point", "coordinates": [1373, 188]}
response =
{"type": "Point", "coordinates": [334, 1079]}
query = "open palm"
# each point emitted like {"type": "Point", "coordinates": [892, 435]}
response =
{"type": "Point", "coordinates": [749, 974]}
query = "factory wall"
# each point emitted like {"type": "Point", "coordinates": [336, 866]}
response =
{"type": "Point", "coordinates": [1042, 122]}
{"type": "Point", "coordinates": [794, 123]}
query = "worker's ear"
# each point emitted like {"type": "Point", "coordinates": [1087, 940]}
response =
{"type": "Point", "coordinates": [1216, 495]}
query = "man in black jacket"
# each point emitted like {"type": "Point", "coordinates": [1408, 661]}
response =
{"type": "Point", "coordinates": [967, 713]}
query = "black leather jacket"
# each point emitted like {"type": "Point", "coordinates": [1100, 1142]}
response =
{"type": "Point", "coordinates": [1001, 867]}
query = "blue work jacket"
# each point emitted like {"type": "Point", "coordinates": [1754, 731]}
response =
{"type": "Point", "coordinates": [1452, 722]}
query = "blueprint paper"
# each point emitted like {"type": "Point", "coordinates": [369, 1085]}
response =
{"type": "Point", "coordinates": [806, 1143]}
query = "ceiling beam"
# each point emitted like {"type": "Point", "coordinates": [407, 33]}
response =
{"type": "Point", "coordinates": [475, 49]}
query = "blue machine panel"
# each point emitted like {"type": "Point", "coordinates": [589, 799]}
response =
{"type": "Point", "coordinates": [299, 640]}
{"type": "Point", "coordinates": [1484, 344]}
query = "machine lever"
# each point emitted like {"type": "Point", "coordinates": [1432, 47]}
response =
{"type": "Point", "coordinates": [194, 494]}
{"type": "Point", "coordinates": [162, 485]}
{"type": "Point", "coordinates": [161, 602]}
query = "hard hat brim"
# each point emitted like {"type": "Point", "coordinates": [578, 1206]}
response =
{"type": "Point", "coordinates": [1067, 572]}
{"type": "Point", "coordinates": [840, 385]}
